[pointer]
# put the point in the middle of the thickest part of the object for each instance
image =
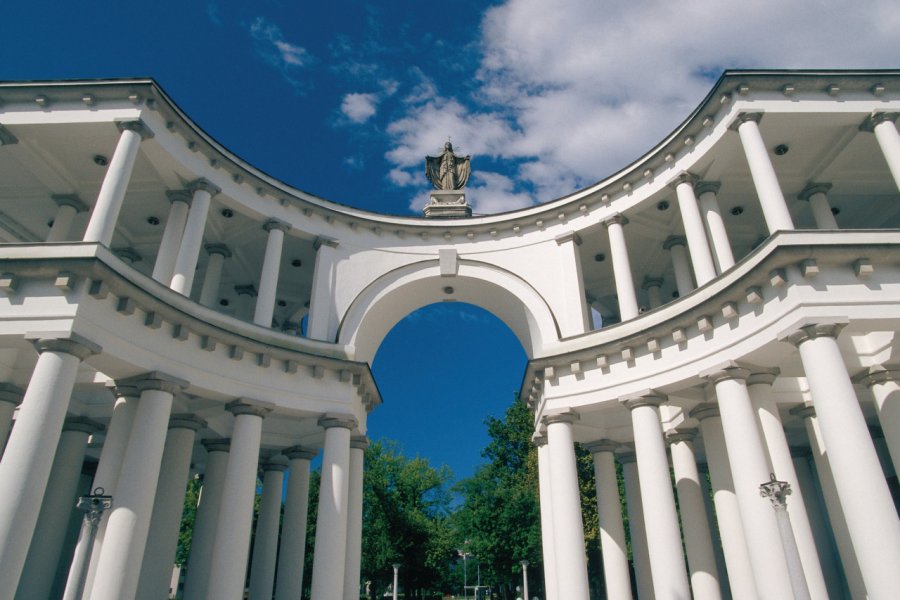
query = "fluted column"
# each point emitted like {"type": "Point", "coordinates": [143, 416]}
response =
{"type": "Point", "coordinates": [759, 386]}
{"type": "Point", "coordinates": [568, 526]}
{"type": "Point", "coordinates": [268, 278]}
{"type": "Point", "coordinates": [119, 562]}
{"type": "Point", "coordinates": [209, 291]}
{"type": "Point", "coordinates": [660, 517]}
{"type": "Point", "coordinates": [885, 129]}
{"type": "Point", "coordinates": [289, 576]}
{"type": "Point", "coordinates": [868, 508]}
{"type": "Point", "coordinates": [165, 522]}
{"type": "Point", "coordinates": [814, 193]}
{"type": "Point", "coordinates": [10, 398]}
{"type": "Point", "coordinates": [728, 514]}
{"type": "Point", "coordinates": [715, 224]}
{"type": "Point", "coordinates": [749, 468]}
{"type": "Point", "coordinates": [652, 287]}
{"type": "Point", "coordinates": [701, 257]}
{"type": "Point", "coordinates": [68, 205]}
{"type": "Point", "coordinates": [331, 523]}
{"type": "Point", "coordinates": [233, 526]}
{"type": "Point", "coordinates": [103, 219]}
{"type": "Point", "coordinates": [884, 383]}
{"type": "Point", "coordinates": [547, 548]}
{"type": "Point", "coordinates": [204, 533]}
{"type": "Point", "coordinates": [636, 526]}
{"type": "Point", "coordinates": [171, 239]}
{"type": "Point", "coordinates": [618, 250]}
{"type": "Point", "coordinates": [609, 512]}
{"type": "Point", "coordinates": [358, 445]}
{"type": "Point", "coordinates": [695, 524]}
{"type": "Point", "coordinates": [28, 458]}
{"type": "Point", "coordinates": [774, 208]}
{"type": "Point", "coordinates": [202, 192]}
{"type": "Point", "coordinates": [265, 545]}
{"type": "Point", "coordinates": [675, 244]}
{"type": "Point", "coordinates": [62, 487]}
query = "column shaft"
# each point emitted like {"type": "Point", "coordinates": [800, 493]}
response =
{"type": "Point", "coordinates": [684, 283]}
{"type": "Point", "coordinates": [191, 241]}
{"type": "Point", "coordinates": [265, 545]}
{"type": "Point", "coordinates": [637, 528]}
{"type": "Point", "coordinates": [103, 219]}
{"type": "Point", "coordinates": [612, 530]}
{"type": "Point", "coordinates": [618, 249]}
{"type": "Point", "coordinates": [547, 548]}
{"type": "Point", "coordinates": [715, 228]}
{"type": "Point", "coordinates": [209, 291]}
{"type": "Point", "coordinates": [62, 223]}
{"type": "Point", "coordinates": [171, 239]}
{"type": "Point", "coordinates": [354, 519]}
{"type": "Point", "coordinates": [10, 398]}
{"type": "Point", "coordinates": [885, 386]}
{"type": "Point", "coordinates": [889, 141]}
{"type": "Point", "coordinates": [821, 210]}
{"type": "Point", "coordinates": [701, 257]}
{"type": "Point", "coordinates": [322, 322]}
{"type": "Point", "coordinates": [268, 278]}
{"type": "Point", "coordinates": [289, 576]}
{"type": "Point", "coordinates": [774, 208]}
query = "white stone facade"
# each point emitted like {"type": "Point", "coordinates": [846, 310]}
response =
{"type": "Point", "coordinates": [746, 272]}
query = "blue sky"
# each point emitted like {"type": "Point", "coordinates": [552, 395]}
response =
{"type": "Point", "coordinates": [344, 99]}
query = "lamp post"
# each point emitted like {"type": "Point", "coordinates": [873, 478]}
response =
{"type": "Point", "coordinates": [465, 556]}
{"type": "Point", "coordinates": [396, 570]}
{"type": "Point", "coordinates": [93, 505]}
{"type": "Point", "coordinates": [524, 564]}
{"type": "Point", "coordinates": [777, 492]}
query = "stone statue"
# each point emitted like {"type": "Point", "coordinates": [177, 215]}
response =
{"type": "Point", "coordinates": [447, 171]}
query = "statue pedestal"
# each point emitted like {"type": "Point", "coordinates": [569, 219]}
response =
{"type": "Point", "coordinates": [448, 204]}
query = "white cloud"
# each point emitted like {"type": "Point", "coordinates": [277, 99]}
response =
{"type": "Point", "coordinates": [359, 107]}
{"type": "Point", "coordinates": [573, 91]}
{"type": "Point", "coordinates": [272, 46]}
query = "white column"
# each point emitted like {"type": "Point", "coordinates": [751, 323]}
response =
{"type": "Point", "coordinates": [701, 257]}
{"type": "Point", "coordinates": [204, 534]}
{"type": "Point", "coordinates": [265, 545]}
{"type": "Point", "coordinates": [289, 576]}
{"type": "Point", "coordinates": [331, 523]}
{"type": "Point", "coordinates": [759, 386]}
{"type": "Point", "coordinates": [814, 193]}
{"type": "Point", "coordinates": [322, 323]}
{"type": "Point", "coordinates": [652, 287]}
{"type": "Point", "coordinates": [165, 523]}
{"type": "Point", "coordinates": [232, 546]}
{"type": "Point", "coordinates": [568, 526]}
{"type": "Point", "coordinates": [268, 279]}
{"type": "Point", "coordinates": [728, 515]}
{"type": "Point", "coordinates": [25, 467]}
{"type": "Point", "coordinates": [573, 317]}
{"type": "Point", "coordinates": [636, 526]}
{"type": "Point", "coordinates": [882, 124]}
{"type": "Point", "coordinates": [68, 205]}
{"type": "Point", "coordinates": [774, 208]}
{"type": "Point", "coordinates": [10, 398]}
{"type": "Point", "coordinates": [749, 468]}
{"type": "Point", "coordinates": [884, 383]}
{"type": "Point", "coordinates": [868, 507]}
{"type": "Point", "coordinates": [618, 250]}
{"type": "Point", "coordinates": [209, 292]}
{"type": "Point", "coordinates": [189, 252]}
{"type": "Point", "coordinates": [246, 300]}
{"type": "Point", "coordinates": [670, 580]}
{"type": "Point", "coordinates": [547, 549]}
{"type": "Point", "coordinates": [171, 238]}
{"type": "Point", "coordinates": [684, 283]}
{"type": "Point", "coordinates": [715, 224]}
{"type": "Point", "coordinates": [612, 529]}
{"type": "Point", "coordinates": [119, 563]}
{"type": "Point", "coordinates": [358, 445]}
{"type": "Point", "coordinates": [694, 520]}
{"type": "Point", "coordinates": [112, 191]}
{"type": "Point", "coordinates": [56, 509]}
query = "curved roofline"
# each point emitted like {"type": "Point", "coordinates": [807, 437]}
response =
{"type": "Point", "coordinates": [777, 78]}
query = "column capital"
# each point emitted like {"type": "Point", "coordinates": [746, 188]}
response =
{"type": "Point", "coordinates": [688, 434]}
{"type": "Point", "coordinates": [704, 410]}
{"type": "Point", "coordinates": [69, 343]}
{"type": "Point", "coordinates": [328, 421]}
{"type": "Point", "coordinates": [745, 117]}
{"type": "Point", "coordinates": [683, 177]}
{"type": "Point", "coordinates": [216, 444]}
{"type": "Point", "coordinates": [813, 331]}
{"type": "Point", "coordinates": [359, 442]}
{"type": "Point", "coordinates": [539, 440]}
{"type": "Point", "coordinates": [813, 188]}
{"type": "Point", "coordinates": [563, 417]}
{"type": "Point", "coordinates": [179, 196]}
{"type": "Point", "coordinates": [803, 411]}
{"type": "Point", "coordinates": [70, 200]}
{"type": "Point", "coordinates": [877, 118]}
{"type": "Point", "coordinates": [726, 374]}
{"type": "Point", "coordinates": [248, 290]}
{"type": "Point", "coordinates": [707, 187]}
{"type": "Point", "coordinates": [567, 237]}
{"type": "Point", "coordinates": [648, 398]}
{"type": "Point", "coordinates": [325, 241]}
{"type": "Point", "coordinates": [877, 374]}
{"type": "Point", "coordinates": [674, 240]}
{"type": "Point", "coordinates": [82, 424]}
{"type": "Point", "coordinates": [603, 445]}
{"type": "Point", "coordinates": [248, 406]}
{"type": "Point", "coordinates": [11, 393]}
{"type": "Point", "coordinates": [137, 126]}
{"type": "Point", "coordinates": [186, 421]}
{"type": "Point", "coordinates": [276, 224]}
{"type": "Point", "coordinates": [616, 219]}
{"type": "Point", "coordinates": [129, 255]}
{"type": "Point", "coordinates": [301, 452]}
{"type": "Point", "coordinates": [123, 388]}
{"type": "Point", "coordinates": [6, 137]}
{"type": "Point", "coordinates": [205, 185]}
{"type": "Point", "coordinates": [158, 381]}
{"type": "Point", "coordinates": [268, 465]}
{"type": "Point", "coordinates": [650, 282]}
{"type": "Point", "coordinates": [763, 376]}
{"type": "Point", "coordinates": [626, 457]}
{"type": "Point", "coordinates": [218, 249]}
